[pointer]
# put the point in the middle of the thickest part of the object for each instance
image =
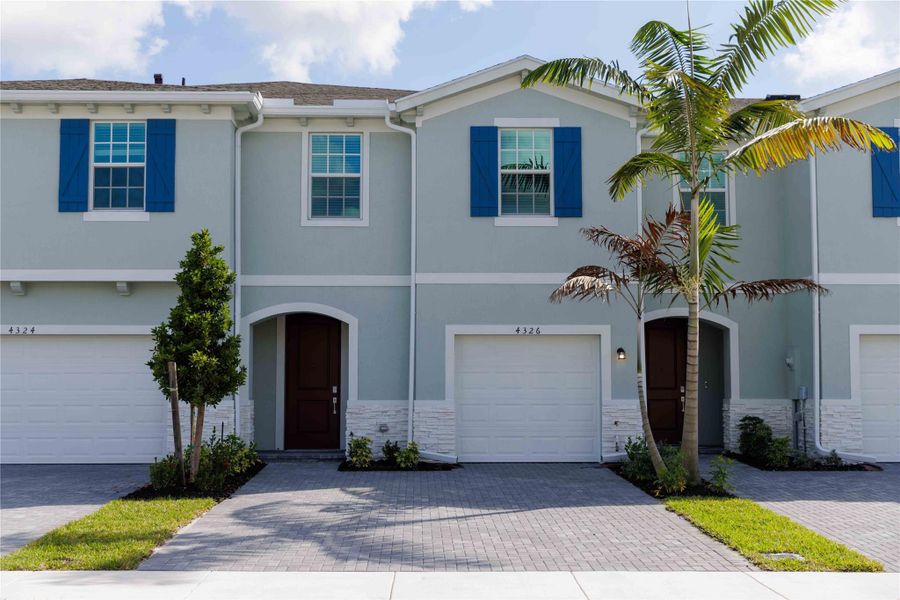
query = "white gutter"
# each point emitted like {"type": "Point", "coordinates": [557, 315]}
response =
{"type": "Point", "coordinates": [412, 273]}
{"type": "Point", "coordinates": [236, 321]}
{"type": "Point", "coordinates": [326, 111]}
{"type": "Point", "coordinates": [817, 323]}
{"type": "Point", "coordinates": [253, 101]}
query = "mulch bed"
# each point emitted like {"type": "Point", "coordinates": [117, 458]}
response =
{"type": "Point", "coordinates": [704, 489]}
{"type": "Point", "coordinates": [810, 465]}
{"type": "Point", "coordinates": [383, 465]}
{"type": "Point", "coordinates": [232, 485]}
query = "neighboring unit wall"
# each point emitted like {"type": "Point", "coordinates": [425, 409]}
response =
{"type": "Point", "coordinates": [859, 261]}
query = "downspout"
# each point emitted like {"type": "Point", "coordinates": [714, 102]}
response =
{"type": "Point", "coordinates": [236, 321]}
{"type": "Point", "coordinates": [817, 323]}
{"type": "Point", "coordinates": [412, 274]}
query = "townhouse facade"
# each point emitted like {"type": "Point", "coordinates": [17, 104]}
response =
{"type": "Point", "coordinates": [395, 251]}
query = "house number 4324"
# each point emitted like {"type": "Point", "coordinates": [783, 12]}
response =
{"type": "Point", "coordinates": [21, 330]}
{"type": "Point", "coordinates": [528, 331]}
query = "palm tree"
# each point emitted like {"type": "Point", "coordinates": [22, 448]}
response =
{"type": "Point", "coordinates": [657, 261]}
{"type": "Point", "coordinates": [686, 93]}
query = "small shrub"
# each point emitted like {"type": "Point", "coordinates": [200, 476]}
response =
{"type": "Point", "coordinates": [674, 480]}
{"type": "Point", "coordinates": [637, 466]}
{"type": "Point", "coordinates": [360, 452]}
{"type": "Point", "coordinates": [720, 474]}
{"type": "Point", "coordinates": [833, 460]}
{"type": "Point", "coordinates": [778, 455]}
{"type": "Point", "coordinates": [164, 473]}
{"type": "Point", "coordinates": [755, 438]}
{"type": "Point", "coordinates": [408, 458]}
{"type": "Point", "coordinates": [390, 450]}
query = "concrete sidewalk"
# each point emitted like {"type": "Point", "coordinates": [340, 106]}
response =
{"type": "Point", "coordinates": [558, 585]}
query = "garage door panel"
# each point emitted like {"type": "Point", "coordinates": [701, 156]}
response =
{"type": "Point", "coordinates": [80, 399]}
{"type": "Point", "coordinates": [879, 385]}
{"type": "Point", "coordinates": [527, 399]}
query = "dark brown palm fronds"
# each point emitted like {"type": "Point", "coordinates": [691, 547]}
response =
{"type": "Point", "coordinates": [590, 282]}
{"type": "Point", "coordinates": [766, 289]}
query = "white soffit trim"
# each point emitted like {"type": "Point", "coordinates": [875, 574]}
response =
{"type": "Point", "coordinates": [859, 278]}
{"type": "Point", "coordinates": [253, 101]}
{"type": "Point", "coordinates": [75, 329]}
{"type": "Point", "coordinates": [491, 74]}
{"type": "Point", "coordinates": [87, 275]}
{"type": "Point", "coordinates": [325, 280]}
{"type": "Point", "coordinates": [491, 278]}
{"type": "Point", "coordinates": [849, 91]}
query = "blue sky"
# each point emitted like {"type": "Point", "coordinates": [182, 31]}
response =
{"type": "Point", "coordinates": [404, 44]}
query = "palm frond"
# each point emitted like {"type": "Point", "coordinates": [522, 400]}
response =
{"type": "Point", "coordinates": [590, 282]}
{"type": "Point", "coordinates": [583, 71]}
{"type": "Point", "coordinates": [641, 166]}
{"type": "Point", "coordinates": [659, 44]}
{"type": "Point", "coordinates": [765, 27]}
{"type": "Point", "coordinates": [766, 289]}
{"type": "Point", "coordinates": [759, 117]}
{"type": "Point", "coordinates": [802, 138]}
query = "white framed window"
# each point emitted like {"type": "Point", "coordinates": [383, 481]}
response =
{"type": "Point", "coordinates": [118, 161]}
{"type": "Point", "coordinates": [526, 172]}
{"type": "Point", "coordinates": [718, 191]}
{"type": "Point", "coordinates": [334, 172]}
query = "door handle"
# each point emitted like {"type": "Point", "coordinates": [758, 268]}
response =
{"type": "Point", "coordinates": [682, 389]}
{"type": "Point", "coordinates": [682, 404]}
{"type": "Point", "coordinates": [334, 405]}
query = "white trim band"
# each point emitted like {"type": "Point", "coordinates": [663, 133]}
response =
{"type": "Point", "coordinates": [859, 278]}
{"type": "Point", "coordinates": [132, 275]}
{"type": "Point", "coordinates": [491, 278]}
{"type": "Point", "coordinates": [76, 329]}
{"type": "Point", "coordinates": [325, 280]}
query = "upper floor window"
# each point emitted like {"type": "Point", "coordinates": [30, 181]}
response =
{"type": "Point", "coordinates": [335, 175]}
{"type": "Point", "coordinates": [118, 157]}
{"type": "Point", "coordinates": [525, 171]}
{"type": "Point", "coordinates": [716, 191]}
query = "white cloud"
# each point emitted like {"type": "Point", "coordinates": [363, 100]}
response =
{"type": "Point", "coordinates": [79, 39]}
{"type": "Point", "coordinates": [473, 5]}
{"type": "Point", "coordinates": [194, 10]}
{"type": "Point", "coordinates": [354, 36]}
{"type": "Point", "coordinates": [859, 40]}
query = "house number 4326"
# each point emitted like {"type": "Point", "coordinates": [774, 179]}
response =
{"type": "Point", "coordinates": [528, 331]}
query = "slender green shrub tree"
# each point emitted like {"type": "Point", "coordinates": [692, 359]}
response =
{"type": "Point", "coordinates": [197, 337]}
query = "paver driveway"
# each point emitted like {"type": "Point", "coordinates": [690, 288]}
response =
{"type": "Point", "coordinates": [37, 498]}
{"type": "Point", "coordinates": [858, 508]}
{"type": "Point", "coordinates": [515, 517]}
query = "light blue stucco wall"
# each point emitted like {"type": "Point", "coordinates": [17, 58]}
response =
{"type": "Point", "coordinates": [452, 241]}
{"type": "Point", "coordinates": [274, 242]}
{"type": "Point", "coordinates": [35, 235]}
{"type": "Point", "coordinates": [263, 382]}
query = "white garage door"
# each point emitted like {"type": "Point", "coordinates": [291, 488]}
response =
{"type": "Point", "coordinates": [879, 386]}
{"type": "Point", "coordinates": [527, 399]}
{"type": "Point", "coordinates": [79, 398]}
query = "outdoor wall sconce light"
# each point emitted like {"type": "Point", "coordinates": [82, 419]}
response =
{"type": "Point", "coordinates": [620, 354]}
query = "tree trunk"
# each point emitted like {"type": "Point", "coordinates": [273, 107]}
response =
{"type": "Point", "coordinates": [658, 465]}
{"type": "Point", "coordinates": [689, 436]}
{"type": "Point", "coordinates": [197, 442]}
{"type": "Point", "coordinates": [176, 420]}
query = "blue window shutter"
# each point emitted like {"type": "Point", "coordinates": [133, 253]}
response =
{"type": "Point", "coordinates": [74, 163]}
{"type": "Point", "coordinates": [484, 167]}
{"type": "Point", "coordinates": [886, 179]}
{"type": "Point", "coordinates": [567, 171]}
{"type": "Point", "coordinates": [160, 165]}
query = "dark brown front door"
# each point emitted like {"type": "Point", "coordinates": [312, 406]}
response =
{"type": "Point", "coordinates": [666, 341]}
{"type": "Point", "coordinates": [312, 402]}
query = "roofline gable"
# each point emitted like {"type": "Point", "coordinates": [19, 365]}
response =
{"type": "Point", "coordinates": [851, 90]}
{"type": "Point", "coordinates": [494, 73]}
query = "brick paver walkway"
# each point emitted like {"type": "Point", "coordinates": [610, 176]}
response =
{"type": "Point", "coordinates": [858, 508]}
{"type": "Point", "coordinates": [37, 498]}
{"type": "Point", "coordinates": [510, 517]}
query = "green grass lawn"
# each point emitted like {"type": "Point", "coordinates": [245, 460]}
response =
{"type": "Point", "coordinates": [119, 535]}
{"type": "Point", "coordinates": [755, 531]}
